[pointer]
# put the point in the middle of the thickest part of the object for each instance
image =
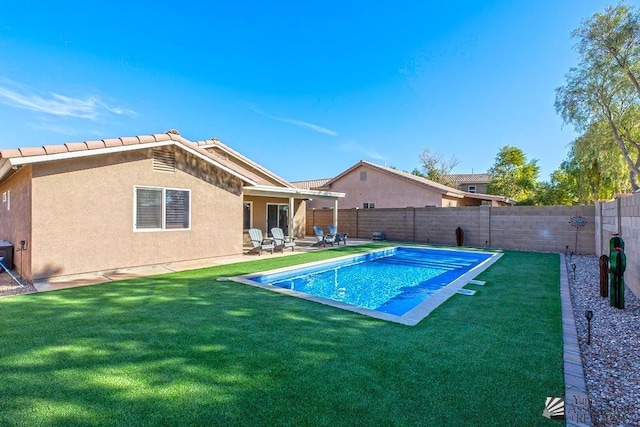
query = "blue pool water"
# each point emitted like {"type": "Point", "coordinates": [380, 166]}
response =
{"type": "Point", "coordinates": [391, 281]}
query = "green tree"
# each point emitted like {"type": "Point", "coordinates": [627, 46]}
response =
{"type": "Point", "coordinates": [597, 166]}
{"type": "Point", "coordinates": [558, 191]}
{"type": "Point", "coordinates": [514, 176]}
{"type": "Point", "coordinates": [594, 169]}
{"type": "Point", "coordinates": [418, 172]}
{"type": "Point", "coordinates": [604, 87]}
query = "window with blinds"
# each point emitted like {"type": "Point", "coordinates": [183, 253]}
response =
{"type": "Point", "coordinates": [177, 209]}
{"type": "Point", "coordinates": [162, 209]}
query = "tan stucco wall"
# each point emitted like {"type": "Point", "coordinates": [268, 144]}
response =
{"type": "Point", "coordinates": [383, 189]}
{"type": "Point", "coordinates": [259, 213]}
{"type": "Point", "coordinates": [15, 217]}
{"type": "Point", "coordinates": [83, 214]}
{"type": "Point", "coordinates": [480, 188]}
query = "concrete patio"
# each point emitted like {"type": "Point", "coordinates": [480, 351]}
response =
{"type": "Point", "coordinates": [63, 282]}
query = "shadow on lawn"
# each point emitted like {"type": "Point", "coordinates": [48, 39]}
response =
{"type": "Point", "coordinates": [185, 349]}
{"type": "Point", "coordinates": [140, 349]}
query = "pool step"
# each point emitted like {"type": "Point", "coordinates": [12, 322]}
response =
{"type": "Point", "coordinates": [444, 265]}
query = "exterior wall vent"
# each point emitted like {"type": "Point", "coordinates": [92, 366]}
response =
{"type": "Point", "coordinates": [164, 161]}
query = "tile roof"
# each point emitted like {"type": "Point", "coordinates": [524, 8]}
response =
{"type": "Point", "coordinates": [469, 178]}
{"type": "Point", "coordinates": [31, 154]}
{"type": "Point", "coordinates": [260, 180]}
{"type": "Point", "coordinates": [91, 145]}
{"type": "Point", "coordinates": [312, 183]}
{"type": "Point", "coordinates": [441, 188]}
{"type": "Point", "coordinates": [217, 148]}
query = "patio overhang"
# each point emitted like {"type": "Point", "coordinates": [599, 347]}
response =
{"type": "Point", "coordinates": [288, 192]}
{"type": "Point", "coordinates": [295, 194]}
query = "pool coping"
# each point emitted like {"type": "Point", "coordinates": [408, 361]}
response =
{"type": "Point", "coordinates": [410, 318]}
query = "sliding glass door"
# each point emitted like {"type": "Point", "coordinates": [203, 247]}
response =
{"type": "Point", "coordinates": [277, 216]}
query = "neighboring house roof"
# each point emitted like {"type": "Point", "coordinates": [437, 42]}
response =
{"type": "Point", "coordinates": [312, 183]}
{"type": "Point", "coordinates": [435, 186]}
{"type": "Point", "coordinates": [251, 173]}
{"type": "Point", "coordinates": [469, 178]}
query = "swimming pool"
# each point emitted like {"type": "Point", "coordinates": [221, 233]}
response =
{"type": "Point", "coordinates": [400, 284]}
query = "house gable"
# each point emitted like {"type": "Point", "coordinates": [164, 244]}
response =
{"type": "Point", "coordinates": [96, 217]}
{"type": "Point", "coordinates": [365, 184]}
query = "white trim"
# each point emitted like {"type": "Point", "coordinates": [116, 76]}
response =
{"type": "Point", "coordinates": [5, 168]}
{"type": "Point", "coordinates": [278, 218]}
{"type": "Point", "coordinates": [164, 209]}
{"type": "Point", "coordinates": [84, 153]}
{"type": "Point", "coordinates": [296, 193]}
{"type": "Point", "coordinates": [17, 161]}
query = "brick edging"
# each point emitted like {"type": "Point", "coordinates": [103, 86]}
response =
{"type": "Point", "coordinates": [577, 410]}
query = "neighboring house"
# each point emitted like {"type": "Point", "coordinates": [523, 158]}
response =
{"type": "Point", "coordinates": [135, 201]}
{"type": "Point", "coordinates": [470, 182]}
{"type": "Point", "coordinates": [367, 185]}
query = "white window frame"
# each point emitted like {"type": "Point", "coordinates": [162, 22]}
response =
{"type": "Point", "coordinates": [472, 189]}
{"type": "Point", "coordinates": [266, 216]}
{"type": "Point", "coordinates": [164, 209]}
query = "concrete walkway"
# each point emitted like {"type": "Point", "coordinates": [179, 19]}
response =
{"type": "Point", "coordinates": [72, 281]}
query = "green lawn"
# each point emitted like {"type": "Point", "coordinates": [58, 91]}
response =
{"type": "Point", "coordinates": [184, 349]}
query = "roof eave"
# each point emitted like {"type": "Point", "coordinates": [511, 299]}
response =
{"type": "Point", "coordinates": [296, 193]}
{"type": "Point", "coordinates": [19, 161]}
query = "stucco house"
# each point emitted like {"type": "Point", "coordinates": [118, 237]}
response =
{"type": "Point", "coordinates": [126, 202]}
{"type": "Point", "coordinates": [367, 185]}
{"type": "Point", "coordinates": [470, 182]}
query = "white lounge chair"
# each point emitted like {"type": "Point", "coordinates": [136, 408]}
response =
{"type": "Point", "coordinates": [260, 244]}
{"type": "Point", "coordinates": [281, 242]}
{"type": "Point", "coordinates": [323, 239]}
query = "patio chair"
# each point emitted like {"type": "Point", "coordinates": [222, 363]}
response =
{"type": "Point", "coordinates": [259, 244]}
{"type": "Point", "coordinates": [323, 239]}
{"type": "Point", "coordinates": [281, 242]}
{"type": "Point", "coordinates": [340, 237]}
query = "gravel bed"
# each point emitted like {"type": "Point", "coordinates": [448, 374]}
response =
{"type": "Point", "coordinates": [8, 287]}
{"type": "Point", "coordinates": [612, 361]}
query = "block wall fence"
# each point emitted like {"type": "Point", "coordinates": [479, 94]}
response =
{"type": "Point", "coordinates": [536, 228]}
{"type": "Point", "coordinates": [621, 216]}
{"type": "Point", "coordinates": [533, 228]}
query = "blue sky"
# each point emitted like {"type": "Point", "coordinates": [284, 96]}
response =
{"type": "Point", "coordinates": [306, 89]}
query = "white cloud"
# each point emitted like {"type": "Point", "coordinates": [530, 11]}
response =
{"type": "Point", "coordinates": [295, 122]}
{"type": "Point", "coordinates": [89, 107]}
{"type": "Point", "coordinates": [367, 152]}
